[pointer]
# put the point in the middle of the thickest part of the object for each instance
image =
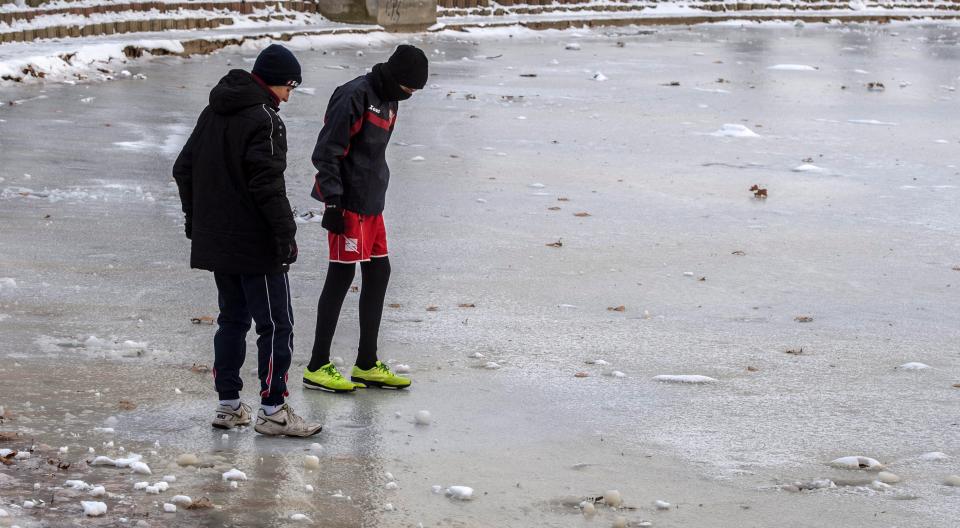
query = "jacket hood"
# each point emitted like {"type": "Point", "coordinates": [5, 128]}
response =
{"type": "Point", "coordinates": [236, 91]}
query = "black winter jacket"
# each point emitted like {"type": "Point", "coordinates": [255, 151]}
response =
{"type": "Point", "coordinates": [230, 176]}
{"type": "Point", "coordinates": [350, 155]}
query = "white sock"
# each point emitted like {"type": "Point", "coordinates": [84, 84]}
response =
{"type": "Point", "coordinates": [233, 404]}
{"type": "Point", "coordinates": [271, 409]}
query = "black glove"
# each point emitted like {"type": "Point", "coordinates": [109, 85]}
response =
{"type": "Point", "coordinates": [188, 229]}
{"type": "Point", "coordinates": [288, 252]}
{"type": "Point", "coordinates": [333, 219]}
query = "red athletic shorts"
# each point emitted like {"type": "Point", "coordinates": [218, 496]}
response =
{"type": "Point", "coordinates": [365, 237]}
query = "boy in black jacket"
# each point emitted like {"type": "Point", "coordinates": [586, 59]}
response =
{"type": "Point", "coordinates": [352, 177]}
{"type": "Point", "coordinates": [230, 177]}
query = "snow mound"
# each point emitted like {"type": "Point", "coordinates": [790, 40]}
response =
{"type": "Point", "coordinates": [423, 418]}
{"type": "Point", "coordinates": [599, 76]}
{"type": "Point", "coordinates": [460, 492]}
{"type": "Point", "coordinates": [234, 474]}
{"type": "Point", "coordinates": [684, 378]}
{"type": "Point", "coordinates": [93, 509]}
{"type": "Point", "coordinates": [734, 130]}
{"type": "Point", "coordinates": [857, 462]}
{"type": "Point", "coordinates": [934, 456]}
{"type": "Point", "coordinates": [169, 508]}
{"type": "Point", "coordinates": [299, 517]}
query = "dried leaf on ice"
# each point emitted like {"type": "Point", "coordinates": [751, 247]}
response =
{"type": "Point", "coordinates": [671, 83]}
{"type": "Point", "coordinates": [620, 308]}
{"type": "Point", "coordinates": [581, 214]}
{"type": "Point", "coordinates": [558, 243]}
{"type": "Point", "coordinates": [531, 75]}
{"type": "Point", "coordinates": [803, 319]}
{"type": "Point", "coordinates": [354, 288]}
{"type": "Point", "coordinates": [126, 405]}
{"type": "Point", "coordinates": [758, 192]}
{"type": "Point", "coordinates": [752, 369]}
{"type": "Point", "coordinates": [554, 208]}
{"type": "Point", "coordinates": [201, 503]}
{"type": "Point", "coordinates": [432, 308]}
{"type": "Point", "coordinates": [9, 436]}
{"type": "Point", "coordinates": [203, 319]}
{"type": "Point", "coordinates": [795, 351]}
{"type": "Point", "coordinates": [393, 305]}
{"type": "Point", "coordinates": [467, 305]}
{"type": "Point", "coordinates": [739, 253]}
{"type": "Point", "coordinates": [563, 199]}
{"type": "Point", "coordinates": [200, 368]}
{"type": "Point", "coordinates": [581, 374]}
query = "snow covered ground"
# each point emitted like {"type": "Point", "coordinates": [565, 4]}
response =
{"type": "Point", "coordinates": [563, 228]}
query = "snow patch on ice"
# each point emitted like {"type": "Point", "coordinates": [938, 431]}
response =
{"type": "Point", "coordinates": [684, 378]}
{"type": "Point", "coordinates": [870, 122]}
{"type": "Point", "coordinates": [914, 365]}
{"type": "Point", "coordinates": [792, 67]}
{"type": "Point", "coordinates": [735, 130]}
{"type": "Point", "coordinates": [809, 167]}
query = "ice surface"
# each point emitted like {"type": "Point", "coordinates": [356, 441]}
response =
{"type": "Point", "coordinates": [869, 260]}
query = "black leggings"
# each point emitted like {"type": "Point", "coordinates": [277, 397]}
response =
{"type": "Point", "coordinates": [375, 275]}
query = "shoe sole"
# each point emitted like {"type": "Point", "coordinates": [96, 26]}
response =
{"type": "Point", "coordinates": [290, 435]}
{"type": "Point", "coordinates": [316, 386]}
{"type": "Point", "coordinates": [217, 425]}
{"type": "Point", "coordinates": [378, 384]}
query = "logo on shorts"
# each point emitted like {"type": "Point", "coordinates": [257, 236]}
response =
{"type": "Point", "coordinates": [350, 244]}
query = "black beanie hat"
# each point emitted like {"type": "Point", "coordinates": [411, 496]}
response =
{"type": "Point", "coordinates": [408, 65]}
{"type": "Point", "coordinates": [276, 66]}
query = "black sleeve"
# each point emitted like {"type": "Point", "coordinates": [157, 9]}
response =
{"type": "Point", "coordinates": [341, 122]}
{"type": "Point", "coordinates": [266, 159]}
{"type": "Point", "coordinates": [183, 169]}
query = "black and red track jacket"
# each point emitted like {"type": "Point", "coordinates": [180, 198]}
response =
{"type": "Point", "coordinates": [350, 155]}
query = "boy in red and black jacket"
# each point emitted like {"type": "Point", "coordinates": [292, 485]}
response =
{"type": "Point", "coordinates": [352, 177]}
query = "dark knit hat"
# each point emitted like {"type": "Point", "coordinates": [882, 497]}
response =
{"type": "Point", "coordinates": [276, 66]}
{"type": "Point", "coordinates": [408, 65]}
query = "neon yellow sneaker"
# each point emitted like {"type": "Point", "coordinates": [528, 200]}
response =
{"type": "Point", "coordinates": [379, 376]}
{"type": "Point", "coordinates": [328, 378]}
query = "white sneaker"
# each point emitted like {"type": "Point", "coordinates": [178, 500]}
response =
{"type": "Point", "coordinates": [228, 417]}
{"type": "Point", "coordinates": [284, 423]}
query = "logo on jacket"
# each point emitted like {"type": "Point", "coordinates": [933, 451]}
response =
{"type": "Point", "coordinates": [374, 109]}
{"type": "Point", "coordinates": [350, 244]}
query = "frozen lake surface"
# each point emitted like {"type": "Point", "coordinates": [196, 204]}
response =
{"type": "Point", "coordinates": [588, 193]}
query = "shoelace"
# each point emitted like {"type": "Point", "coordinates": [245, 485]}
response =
{"type": "Point", "coordinates": [383, 368]}
{"type": "Point", "coordinates": [293, 418]}
{"type": "Point", "coordinates": [333, 372]}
